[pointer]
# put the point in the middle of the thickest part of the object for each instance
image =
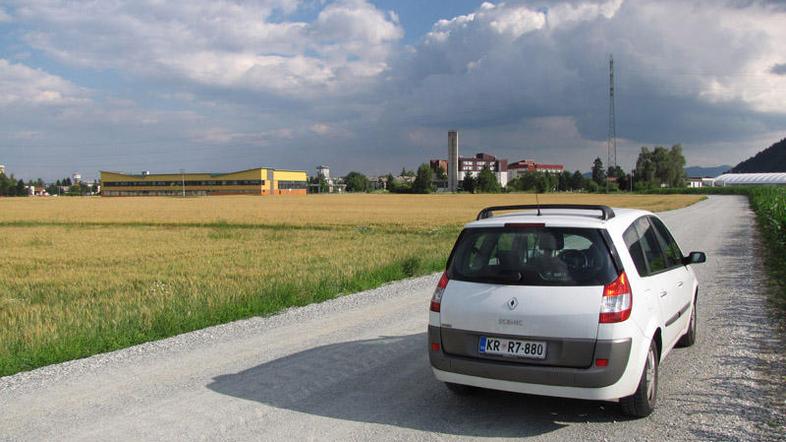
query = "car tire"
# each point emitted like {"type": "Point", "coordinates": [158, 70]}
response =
{"type": "Point", "coordinates": [460, 390]}
{"type": "Point", "coordinates": [689, 338]}
{"type": "Point", "coordinates": [642, 402]}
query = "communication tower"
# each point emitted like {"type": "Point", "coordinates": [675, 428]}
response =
{"type": "Point", "coordinates": [612, 142]}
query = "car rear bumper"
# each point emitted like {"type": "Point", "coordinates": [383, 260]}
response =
{"type": "Point", "coordinates": [453, 368]}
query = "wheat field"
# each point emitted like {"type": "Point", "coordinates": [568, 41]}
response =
{"type": "Point", "coordinates": [80, 276]}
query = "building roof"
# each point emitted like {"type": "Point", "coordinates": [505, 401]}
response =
{"type": "Point", "coordinates": [752, 178]}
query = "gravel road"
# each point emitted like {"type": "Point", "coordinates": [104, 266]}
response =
{"type": "Point", "coordinates": [356, 368]}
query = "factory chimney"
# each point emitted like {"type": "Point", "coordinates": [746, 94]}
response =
{"type": "Point", "coordinates": [452, 160]}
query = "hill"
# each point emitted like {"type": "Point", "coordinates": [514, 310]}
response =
{"type": "Point", "coordinates": [696, 171]}
{"type": "Point", "coordinates": [771, 159]}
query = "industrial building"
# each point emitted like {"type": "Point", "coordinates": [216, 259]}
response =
{"type": "Point", "coordinates": [525, 166]}
{"type": "Point", "coordinates": [473, 166]}
{"type": "Point", "coordinates": [258, 181]}
{"type": "Point", "coordinates": [458, 167]}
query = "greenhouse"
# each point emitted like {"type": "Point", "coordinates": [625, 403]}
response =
{"type": "Point", "coordinates": [744, 179]}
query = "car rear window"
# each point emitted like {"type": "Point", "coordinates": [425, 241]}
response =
{"type": "Point", "coordinates": [532, 256]}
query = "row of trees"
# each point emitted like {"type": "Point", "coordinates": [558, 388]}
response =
{"type": "Point", "coordinates": [10, 186]}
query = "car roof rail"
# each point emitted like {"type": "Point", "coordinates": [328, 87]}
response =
{"type": "Point", "coordinates": [606, 212]}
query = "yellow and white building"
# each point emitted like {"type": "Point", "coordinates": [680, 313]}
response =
{"type": "Point", "coordinates": [258, 181]}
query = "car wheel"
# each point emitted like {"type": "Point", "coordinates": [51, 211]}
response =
{"type": "Point", "coordinates": [460, 390]}
{"type": "Point", "coordinates": [689, 338]}
{"type": "Point", "coordinates": [642, 402]}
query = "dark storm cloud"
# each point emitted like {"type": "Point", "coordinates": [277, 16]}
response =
{"type": "Point", "coordinates": [778, 69]}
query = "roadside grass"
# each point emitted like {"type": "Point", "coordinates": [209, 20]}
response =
{"type": "Point", "coordinates": [80, 276]}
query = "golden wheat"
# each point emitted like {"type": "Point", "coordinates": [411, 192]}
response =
{"type": "Point", "coordinates": [85, 275]}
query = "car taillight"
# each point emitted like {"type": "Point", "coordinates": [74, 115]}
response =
{"type": "Point", "coordinates": [617, 300]}
{"type": "Point", "coordinates": [436, 300]}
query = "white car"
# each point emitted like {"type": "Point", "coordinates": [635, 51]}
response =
{"type": "Point", "coordinates": [563, 300]}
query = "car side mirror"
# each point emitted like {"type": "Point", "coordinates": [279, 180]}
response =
{"type": "Point", "coordinates": [694, 258]}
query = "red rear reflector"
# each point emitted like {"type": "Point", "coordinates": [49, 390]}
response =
{"type": "Point", "coordinates": [524, 225]}
{"type": "Point", "coordinates": [436, 299]}
{"type": "Point", "coordinates": [602, 362]}
{"type": "Point", "coordinates": [443, 281]}
{"type": "Point", "coordinates": [434, 346]}
{"type": "Point", "coordinates": [617, 301]}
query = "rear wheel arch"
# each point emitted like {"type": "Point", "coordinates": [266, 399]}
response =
{"type": "Point", "coordinates": [658, 341]}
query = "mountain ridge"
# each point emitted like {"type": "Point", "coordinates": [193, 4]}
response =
{"type": "Point", "coordinates": [771, 159]}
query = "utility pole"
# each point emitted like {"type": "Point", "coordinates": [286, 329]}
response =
{"type": "Point", "coordinates": [183, 179]}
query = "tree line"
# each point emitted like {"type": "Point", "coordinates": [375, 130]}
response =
{"type": "Point", "coordinates": [659, 167]}
{"type": "Point", "coordinates": [11, 186]}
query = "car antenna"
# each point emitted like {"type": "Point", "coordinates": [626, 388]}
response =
{"type": "Point", "coordinates": [537, 202]}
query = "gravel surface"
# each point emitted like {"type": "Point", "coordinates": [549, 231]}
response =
{"type": "Point", "coordinates": [356, 368]}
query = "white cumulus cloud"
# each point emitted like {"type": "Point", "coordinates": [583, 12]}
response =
{"type": "Point", "coordinates": [26, 86]}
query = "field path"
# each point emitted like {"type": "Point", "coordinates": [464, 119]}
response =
{"type": "Point", "coordinates": [356, 368]}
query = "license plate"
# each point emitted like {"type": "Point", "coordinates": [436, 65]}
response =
{"type": "Point", "coordinates": [512, 348]}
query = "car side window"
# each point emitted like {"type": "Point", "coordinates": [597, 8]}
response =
{"type": "Point", "coordinates": [633, 243]}
{"type": "Point", "coordinates": [653, 254]}
{"type": "Point", "coordinates": [668, 244]}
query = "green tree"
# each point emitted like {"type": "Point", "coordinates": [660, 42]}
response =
{"type": "Point", "coordinates": [591, 186]}
{"type": "Point", "coordinates": [563, 181]}
{"type": "Point", "coordinates": [391, 182]}
{"type": "Point", "coordinates": [356, 182]}
{"type": "Point", "coordinates": [442, 174]}
{"type": "Point", "coordinates": [577, 181]}
{"type": "Point", "coordinates": [487, 181]}
{"type": "Point", "coordinates": [5, 185]}
{"type": "Point", "coordinates": [659, 167]}
{"type": "Point", "coordinates": [677, 166]}
{"type": "Point", "coordinates": [405, 172]}
{"type": "Point", "coordinates": [623, 182]}
{"type": "Point", "coordinates": [469, 183]}
{"type": "Point", "coordinates": [542, 182]}
{"type": "Point", "coordinates": [423, 179]}
{"type": "Point", "coordinates": [598, 172]}
{"type": "Point", "coordinates": [20, 188]}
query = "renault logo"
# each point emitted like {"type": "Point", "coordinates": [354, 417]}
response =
{"type": "Point", "coordinates": [513, 303]}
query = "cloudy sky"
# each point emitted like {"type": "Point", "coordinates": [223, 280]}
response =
{"type": "Point", "coordinates": [374, 85]}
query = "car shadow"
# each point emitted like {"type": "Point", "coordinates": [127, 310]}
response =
{"type": "Point", "coordinates": [388, 380]}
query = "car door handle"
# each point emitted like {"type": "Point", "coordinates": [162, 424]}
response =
{"type": "Point", "coordinates": [663, 293]}
{"type": "Point", "coordinates": [680, 284]}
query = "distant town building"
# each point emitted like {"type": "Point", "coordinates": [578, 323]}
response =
{"type": "Point", "coordinates": [436, 165]}
{"type": "Point", "coordinates": [473, 166]}
{"type": "Point", "coordinates": [36, 191]}
{"type": "Point", "coordinates": [324, 172]}
{"type": "Point", "coordinates": [2, 169]}
{"type": "Point", "coordinates": [333, 185]}
{"type": "Point", "coordinates": [698, 182]}
{"type": "Point", "coordinates": [76, 178]}
{"type": "Point", "coordinates": [258, 181]}
{"type": "Point", "coordinates": [524, 166]}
